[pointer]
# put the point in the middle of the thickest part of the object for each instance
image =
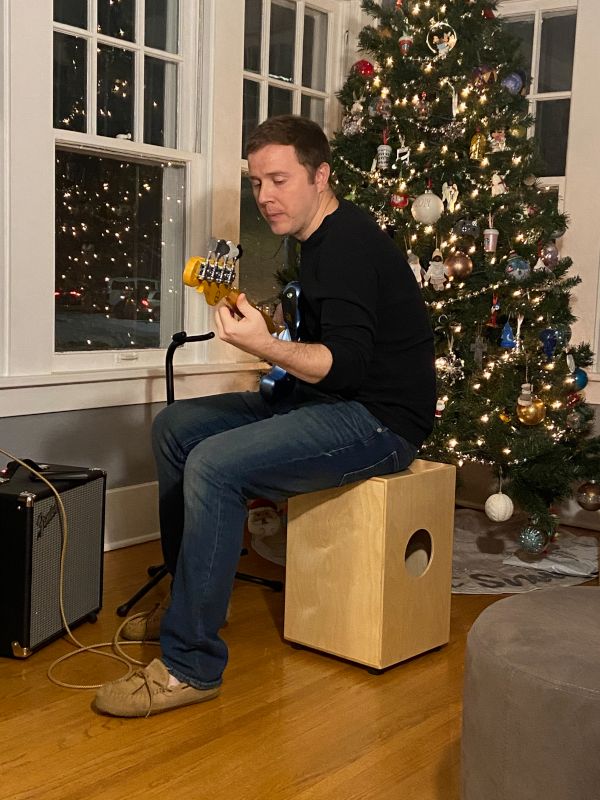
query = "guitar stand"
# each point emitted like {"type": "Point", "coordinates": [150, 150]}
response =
{"type": "Point", "coordinates": [158, 572]}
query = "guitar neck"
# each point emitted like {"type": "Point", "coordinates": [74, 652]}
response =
{"type": "Point", "coordinates": [231, 299]}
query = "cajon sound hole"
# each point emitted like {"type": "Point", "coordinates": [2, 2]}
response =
{"type": "Point", "coordinates": [418, 553]}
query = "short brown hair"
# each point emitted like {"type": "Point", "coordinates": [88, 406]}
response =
{"type": "Point", "coordinates": [306, 137]}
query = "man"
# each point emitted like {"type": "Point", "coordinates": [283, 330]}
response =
{"type": "Point", "coordinates": [362, 405]}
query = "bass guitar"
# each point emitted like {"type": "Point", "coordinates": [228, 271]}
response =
{"type": "Point", "coordinates": [214, 276]}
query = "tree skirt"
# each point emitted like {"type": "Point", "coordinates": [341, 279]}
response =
{"type": "Point", "coordinates": [487, 558]}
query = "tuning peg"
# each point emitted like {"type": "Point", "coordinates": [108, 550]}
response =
{"type": "Point", "coordinates": [233, 251]}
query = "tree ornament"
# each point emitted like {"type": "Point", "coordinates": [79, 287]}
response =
{"type": "Point", "coordinates": [588, 496]}
{"type": "Point", "coordinates": [490, 239]}
{"type": "Point", "coordinates": [364, 68]}
{"type": "Point", "coordinates": [492, 321]}
{"type": "Point", "coordinates": [530, 409]}
{"type": "Point", "coordinates": [549, 341]}
{"type": "Point", "coordinates": [384, 155]}
{"type": "Point", "coordinates": [507, 339]}
{"type": "Point", "coordinates": [415, 265]}
{"type": "Point", "coordinates": [580, 378]}
{"type": "Point", "coordinates": [450, 368]}
{"type": "Point", "coordinates": [504, 416]}
{"type": "Point", "coordinates": [514, 82]}
{"type": "Point", "coordinates": [533, 540]}
{"type": "Point", "coordinates": [399, 200]}
{"type": "Point", "coordinates": [497, 141]}
{"type": "Point", "coordinates": [466, 227]}
{"type": "Point", "coordinates": [488, 13]}
{"type": "Point", "coordinates": [458, 265]}
{"type": "Point", "coordinates": [498, 185]}
{"type": "Point", "coordinates": [449, 195]}
{"type": "Point", "coordinates": [484, 75]}
{"type": "Point", "coordinates": [529, 180]}
{"type": "Point", "coordinates": [573, 399]}
{"type": "Point", "coordinates": [437, 272]}
{"type": "Point", "coordinates": [478, 146]}
{"type": "Point", "coordinates": [441, 38]}
{"type": "Point", "coordinates": [422, 105]}
{"type": "Point", "coordinates": [517, 268]}
{"type": "Point", "coordinates": [427, 208]}
{"type": "Point", "coordinates": [405, 43]}
{"type": "Point", "coordinates": [439, 408]}
{"type": "Point", "coordinates": [353, 122]}
{"type": "Point", "coordinates": [402, 156]}
{"type": "Point", "coordinates": [575, 421]}
{"type": "Point", "coordinates": [478, 348]}
{"type": "Point", "coordinates": [549, 255]}
{"type": "Point", "coordinates": [380, 107]}
{"type": "Point", "coordinates": [499, 507]}
{"type": "Point", "coordinates": [520, 320]}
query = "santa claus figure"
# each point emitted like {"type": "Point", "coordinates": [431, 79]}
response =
{"type": "Point", "coordinates": [266, 526]}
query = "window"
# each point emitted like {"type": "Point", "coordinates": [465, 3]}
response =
{"type": "Point", "coordinates": [118, 220]}
{"type": "Point", "coordinates": [285, 72]}
{"type": "Point", "coordinates": [547, 48]}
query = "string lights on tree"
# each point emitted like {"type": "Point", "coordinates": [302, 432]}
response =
{"type": "Point", "coordinates": [441, 84]}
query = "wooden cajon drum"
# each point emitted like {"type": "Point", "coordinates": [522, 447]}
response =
{"type": "Point", "coordinates": [369, 566]}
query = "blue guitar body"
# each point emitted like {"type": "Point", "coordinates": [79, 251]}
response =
{"type": "Point", "coordinates": [277, 383]}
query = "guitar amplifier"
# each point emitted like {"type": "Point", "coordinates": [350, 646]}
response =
{"type": "Point", "coordinates": [31, 554]}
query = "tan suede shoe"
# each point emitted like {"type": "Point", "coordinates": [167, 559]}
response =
{"type": "Point", "coordinates": [145, 627]}
{"type": "Point", "coordinates": [147, 692]}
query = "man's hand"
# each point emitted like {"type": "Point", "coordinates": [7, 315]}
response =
{"type": "Point", "coordinates": [248, 333]}
{"type": "Point", "coordinates": [308, 361]}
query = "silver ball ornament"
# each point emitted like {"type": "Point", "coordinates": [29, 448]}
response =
{"type": "Point", "coordinates": [532, 540]}
{"type": "Point", "coordinates": [549, 255]}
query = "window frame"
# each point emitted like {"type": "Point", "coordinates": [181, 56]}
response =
{"type": "Point", "coordinates": [578, 188]}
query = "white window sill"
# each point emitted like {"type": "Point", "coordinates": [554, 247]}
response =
{"type": "Point", "coordinates": [40, 394]}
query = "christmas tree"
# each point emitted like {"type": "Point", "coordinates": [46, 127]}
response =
{"type": "Point", "coordinates": [434, 144]}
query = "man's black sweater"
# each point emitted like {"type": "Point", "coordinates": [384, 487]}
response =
{"type": "Point", "coordinates": [361, 300]}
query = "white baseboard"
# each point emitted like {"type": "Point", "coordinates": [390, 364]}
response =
{"type": "Point", "coordinates": [131, 515]}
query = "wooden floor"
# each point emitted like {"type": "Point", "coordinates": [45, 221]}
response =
{"type": "Point", "coordinates": [288, 724]}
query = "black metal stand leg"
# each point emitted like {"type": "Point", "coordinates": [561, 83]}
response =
{"type": "Point", "coordinates": [124, 609]}
{"type": "Point", "coordinates": [277, 586]}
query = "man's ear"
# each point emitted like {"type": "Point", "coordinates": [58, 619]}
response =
{"type": "Point", "coordinates": [322, 174]}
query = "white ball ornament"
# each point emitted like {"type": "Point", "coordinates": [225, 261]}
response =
{"type": "Point", "coordinates": [499, 507]}
{"type": "Point", "coordinates": [427, 208]}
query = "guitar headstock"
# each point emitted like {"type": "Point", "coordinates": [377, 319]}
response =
{"type": "Point", "coordinates": [214, 274]}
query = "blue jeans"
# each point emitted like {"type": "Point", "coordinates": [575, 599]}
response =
{"type": "Point", "coordinates": [215, 453]}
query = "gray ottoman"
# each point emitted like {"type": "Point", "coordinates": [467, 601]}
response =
{"type": "Point", "coordinates": [531, 713]}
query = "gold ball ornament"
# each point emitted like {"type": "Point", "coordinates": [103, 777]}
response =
{"type": "Point", "coordinates": [533, 413]}
{"type": "Point", "coordinates": [588, 496]}
{"type": "Point", "coordinates": [459, 265]}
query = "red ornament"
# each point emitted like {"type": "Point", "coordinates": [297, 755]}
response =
{"type": "Point", "coordinates": [573, 399]}
{"type": "Point", "coordinates": [364, 68]}
{"type": "Point", "coordinates": [399, 200]}
{"type": "Point", "coordinates": [488, 13]}
{"type": "Point", "coordinates": [405, 42]}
